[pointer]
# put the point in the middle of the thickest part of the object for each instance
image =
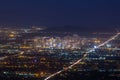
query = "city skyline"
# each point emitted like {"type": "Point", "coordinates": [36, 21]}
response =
{"type": "Point", "coordinates": [33, 54]}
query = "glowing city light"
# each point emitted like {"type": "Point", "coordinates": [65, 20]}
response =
{"type": "Point", "coordinates": [69, 67]}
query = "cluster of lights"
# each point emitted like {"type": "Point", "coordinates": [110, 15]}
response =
{"type": "Point", "coordinates": [59, 42]}
{"type": "Point", "coordinates": [69, 67]}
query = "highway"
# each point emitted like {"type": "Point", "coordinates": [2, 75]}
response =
{"type": "Point", "coordinates": [71, 66]}
{"type": "Point", "coordinates": [2, 58]}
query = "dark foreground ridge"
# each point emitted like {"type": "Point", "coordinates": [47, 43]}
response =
{"type": "Point", "coordinates": [74, 75]}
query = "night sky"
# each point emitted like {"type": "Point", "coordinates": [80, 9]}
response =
{"type": "Point", "coordinates": [85, 13]}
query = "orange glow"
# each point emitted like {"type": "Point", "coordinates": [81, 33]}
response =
{"type": "Point", "coordinates": [11, 35]}
{"type": "Point", "coordinates": [25, 47]}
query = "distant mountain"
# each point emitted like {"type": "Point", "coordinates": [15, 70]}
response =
{"type": "Point", "coordinates": [80, 29]}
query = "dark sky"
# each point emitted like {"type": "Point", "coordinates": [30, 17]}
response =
{"type": "Point", "coordinates": [87, 13]}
